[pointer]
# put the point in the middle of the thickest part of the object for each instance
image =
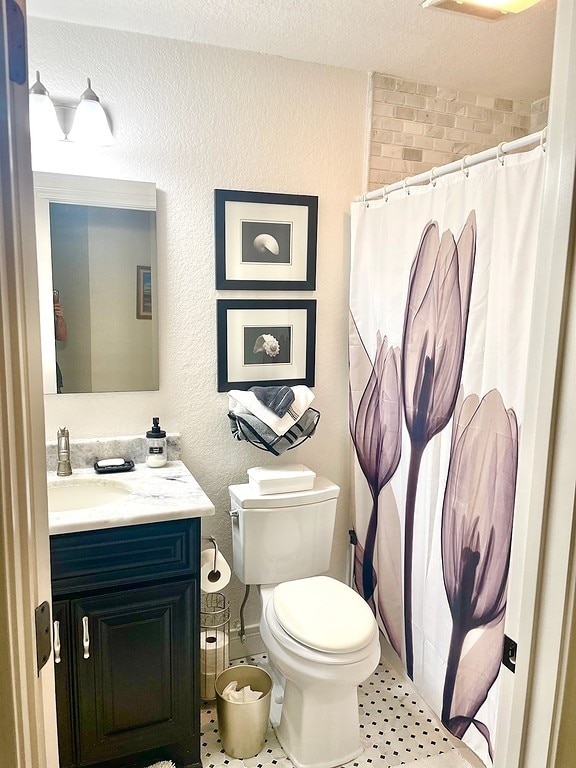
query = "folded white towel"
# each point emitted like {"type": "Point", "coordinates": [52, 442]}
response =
{"type": "Point", "coordinates": [230, 693]}
{"type": "Point", "coordinates": [240, 401]}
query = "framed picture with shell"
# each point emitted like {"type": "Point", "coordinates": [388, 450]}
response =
{"type": "Point", "coordinates": [265, 342]}
{"type": "Point", "coordinates": [265, 241]}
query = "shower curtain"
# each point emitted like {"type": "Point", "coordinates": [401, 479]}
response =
{"type": "Point", "coordinates": [440, 307]}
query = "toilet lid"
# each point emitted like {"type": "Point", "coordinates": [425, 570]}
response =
{"type": "Point", "coordinates": [324, 614]}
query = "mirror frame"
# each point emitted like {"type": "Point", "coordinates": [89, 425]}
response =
{"type": "Point", "coordinates": [76, 190]}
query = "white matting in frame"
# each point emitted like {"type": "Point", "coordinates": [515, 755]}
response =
{"type": "Point", "coordinates": [291, 218]}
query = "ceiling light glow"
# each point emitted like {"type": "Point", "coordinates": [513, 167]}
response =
{"type": "Point", "coordinates": [487, 8]}
{"type": "Point", "coordinates": [505, 6]}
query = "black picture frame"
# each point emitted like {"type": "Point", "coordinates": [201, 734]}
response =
{"type": "Point", "coordinates": [247, 358]}
{"type": "Point", "coordinates": [265, 241]}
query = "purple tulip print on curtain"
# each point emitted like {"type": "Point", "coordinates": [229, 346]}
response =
{"type": "Point", "coordinates": [433, 344]}
{"type": "Point", "coordinates": [376, 430]}
{"type": "Point", "coordinates": [476, 539]}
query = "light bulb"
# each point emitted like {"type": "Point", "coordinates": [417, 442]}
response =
{"type": "Point", "coordinates": [90, 124]}
{"type": "Point", "coordinates": [44, 125]}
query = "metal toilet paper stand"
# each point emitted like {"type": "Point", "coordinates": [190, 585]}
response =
{"type": "Point", "coordinates": [214, 637]}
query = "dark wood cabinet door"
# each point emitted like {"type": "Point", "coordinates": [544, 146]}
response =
{"type": "Point", "coordinates": [135, 670]}
{"type": "Point", "coordinates": [63, 680]}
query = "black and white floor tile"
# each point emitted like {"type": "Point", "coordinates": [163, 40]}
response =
{"type": "Point", "coordinates": [397, 729]}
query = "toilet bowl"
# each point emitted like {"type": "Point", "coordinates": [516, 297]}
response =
{"type": "Point", "coordinates": [319, 725]}
{"type": "Point", "coordinates": [321, 636]}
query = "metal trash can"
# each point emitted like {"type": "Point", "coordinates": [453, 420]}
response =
{"type": "Point", "coordinates": [243, 724]}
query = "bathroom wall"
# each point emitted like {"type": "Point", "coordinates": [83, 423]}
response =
{"type": "Point", "coordinates": [192, 118]}
{"type": "Point", "coordinates": [418, 126]}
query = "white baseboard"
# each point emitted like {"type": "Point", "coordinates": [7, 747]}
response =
{"type": "Point", "coordinates": [252, 646]}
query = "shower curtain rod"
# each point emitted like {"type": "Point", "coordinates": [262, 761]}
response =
{"type": "Point", "coordinates": [468, 161]}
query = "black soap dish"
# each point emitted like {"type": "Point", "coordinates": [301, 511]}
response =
{"type": "Point", "coordinates": [108, 466]}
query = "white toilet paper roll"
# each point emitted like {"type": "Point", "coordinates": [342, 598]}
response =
{"type": "Point", "coordinates": [214, 658]}
{"type": "Point", "coordinates": [214, 576]}
{"type": "Point", "coordinates": [207, 687]}
{"type": "Point", "coordinates": [214, 651]}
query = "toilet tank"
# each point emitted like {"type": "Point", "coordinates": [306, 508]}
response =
{"type": "Point", "coordinates": [282, 536]}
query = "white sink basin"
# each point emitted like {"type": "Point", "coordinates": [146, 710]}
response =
{"type": "Point", "coordinates": [84, 492]}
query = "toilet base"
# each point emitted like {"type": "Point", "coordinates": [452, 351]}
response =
{"type": "Point", "coordinates": [277, 698]}
{"type": "Point", "coordinates": [321, 730]}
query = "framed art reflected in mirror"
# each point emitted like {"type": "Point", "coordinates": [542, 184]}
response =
{"type": "Point", "coordinates": [143, 293]}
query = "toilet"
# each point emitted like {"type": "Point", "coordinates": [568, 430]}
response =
{"type": "Point", "coordinates": [321, 636]}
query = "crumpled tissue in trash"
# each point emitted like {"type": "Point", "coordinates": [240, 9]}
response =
{"type": "Point", "coordinates": [230, 693]}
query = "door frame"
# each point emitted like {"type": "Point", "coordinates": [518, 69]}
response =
{"type": "Point", "coordinates": [27, 709]}
{"type": "Point", "coordinates": [540, 575]}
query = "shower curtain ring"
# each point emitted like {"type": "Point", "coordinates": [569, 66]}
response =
{"type": "Point", "coordinates": [432, 178]}
{"type": "Point", "coordinates": [463, 168]}
{"type": "Point", "coordinates": [385, 194]}
{"type": "Point", "coordinates": [405, 187]}
{"type": "Point", "coordinates": [543, 139]}
{"type": "Point", "coordinates": [500, 152]}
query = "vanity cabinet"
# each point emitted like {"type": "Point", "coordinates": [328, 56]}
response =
{"type": "Point", "coordinates": [127, 605]}
{"type": "Point", "coordinates": [62, 666]}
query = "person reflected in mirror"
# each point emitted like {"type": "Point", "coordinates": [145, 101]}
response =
{"type": "Point", "coordinates": [61, 334]}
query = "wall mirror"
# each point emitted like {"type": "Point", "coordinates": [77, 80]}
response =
{"type": "Point", "coordinates": [96, 245]}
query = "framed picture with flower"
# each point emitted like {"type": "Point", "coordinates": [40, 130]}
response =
{"type": "Point", "coordinates": [265, 241]}
{"type": "Point", "coordinates": [265, 342]}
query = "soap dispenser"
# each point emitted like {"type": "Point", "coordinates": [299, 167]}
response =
{"type": "Point", "coordinates": [156, 448]}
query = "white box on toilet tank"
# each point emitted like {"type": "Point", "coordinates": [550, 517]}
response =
{"type": "Point", "coordinates": [282, 536]}
{"type": "Point", "coordinates": [290, 477]}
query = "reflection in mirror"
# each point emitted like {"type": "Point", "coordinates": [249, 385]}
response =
{"type": "Point", "coordinates": [96, 242]}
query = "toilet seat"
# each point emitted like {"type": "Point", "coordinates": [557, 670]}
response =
{"type": "Point", "coordinates": [321, 619]}
{"type": "Point", "coordinates": [324, 614]}
{"type": "Point", "coordinates": [289, 644]}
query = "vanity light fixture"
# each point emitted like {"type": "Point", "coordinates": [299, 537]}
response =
{"type": "Point", "coordinates": [487, 9]}
{"type": "Point", "coordinates": [44, 125]}
{"type": "Point", "coordinates": [89, 123]}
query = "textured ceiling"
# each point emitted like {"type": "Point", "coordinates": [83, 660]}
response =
{"type": "Point", "coordinates": [509, 58]}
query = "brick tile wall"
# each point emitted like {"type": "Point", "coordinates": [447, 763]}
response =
{"type": "Point", "coordinates": [539, 114]}
{"type": "Point", "coordinates": [418, 126]}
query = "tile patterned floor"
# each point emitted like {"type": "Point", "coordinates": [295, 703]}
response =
{"type": "Point", "coordinates": [397, 729]}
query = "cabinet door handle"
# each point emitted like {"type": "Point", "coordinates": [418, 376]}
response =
{"type": "Point", "coordinates": [85, 637]}
{"type": "Point", "coordinates": [57, 657]}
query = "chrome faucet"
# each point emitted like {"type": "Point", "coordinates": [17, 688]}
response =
{"type": "Point", "coordinates": [64, 467]}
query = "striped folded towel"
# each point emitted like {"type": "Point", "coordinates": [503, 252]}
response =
{"type": "Point", "coordinates": [246, 426]}
{"type": "Point", "coordinates": [240, 402]}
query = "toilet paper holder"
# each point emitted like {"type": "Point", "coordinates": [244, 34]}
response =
{"type": "Point", "coordinates": [214, 641]}
{"type": "Point", "coordinates": [214, 574]}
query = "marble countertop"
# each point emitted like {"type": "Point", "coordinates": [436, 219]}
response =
{"type": "Point", "coordinates": [156, 495]}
